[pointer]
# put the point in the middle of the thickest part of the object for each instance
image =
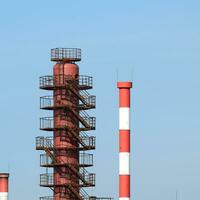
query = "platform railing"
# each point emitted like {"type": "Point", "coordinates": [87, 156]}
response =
{"type": "Point", "coordinates": [42, 142]}
{"type": "Point", "coordinates": [47, 142]}
{"type": "Point", "coordinates": [71, 54]}
{"type": "Point", "coordinates": [46, 179]}
{"type": "Point", "coordinates": [85, 80]}
{"type": "Point", "coordinates": [85, 159]}
{"type": "Point", "coordinates": [46, 123]}
{"type": "Point", "coordinates": [49, 81]}
{"type": "Point", "coordinates": [45, 160]}
{"type": "Point", "coordinates": [47, 102]}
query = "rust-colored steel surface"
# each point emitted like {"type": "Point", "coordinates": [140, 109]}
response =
{"type": "Point", "coordinates": [62, 117]}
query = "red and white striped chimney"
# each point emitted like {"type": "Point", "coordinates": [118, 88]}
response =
{"type": "Point", "coordinates": [124, 140]}
{"type": "Point", "coordinates": [4, 186]}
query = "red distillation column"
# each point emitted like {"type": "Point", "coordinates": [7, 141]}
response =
{"type": "Point", "coordinates": [62, 96]}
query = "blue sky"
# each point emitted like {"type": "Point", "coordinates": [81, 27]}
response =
{"type": "Point", "coordinates": [154, 43]}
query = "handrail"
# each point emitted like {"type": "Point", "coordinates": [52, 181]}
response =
{"type": "Point", "coordinates": [68, 54]}
{"type": "Point", "coordinates": [48, 122]}
{"type": "Point", "coordinates": [86, 141]}
{"type": "Point", "coordinates": [86, 177]}
{"type": "Point", "coordinates": [47, 102]}
{"type": "Point", "coordinates": [61, 80]}
{"type": "Point", "coordinates": [85, 159]}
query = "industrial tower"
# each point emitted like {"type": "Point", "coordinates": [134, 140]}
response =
{"type": "Point", "coordinates": [66, 152]}
{"type": "Point", "coordinates": [4, 185]}
{"type": "Point", "coordinates": [124, 139]}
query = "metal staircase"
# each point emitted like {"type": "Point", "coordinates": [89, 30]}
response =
{"type": "Point", "coordinates": [83, 195]}
{"type": "Point", "coordinates": [88, 179]}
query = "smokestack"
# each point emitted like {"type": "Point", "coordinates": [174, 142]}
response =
{"type": "Point", "coordinates": [4, 186]}
{"type": "Point", "coordinates": [124, 139]}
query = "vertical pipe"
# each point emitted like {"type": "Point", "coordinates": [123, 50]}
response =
{"type": "Point", "coordinates": [4, 186]}
{"type": "Point", "coordinates": [124, 140]}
